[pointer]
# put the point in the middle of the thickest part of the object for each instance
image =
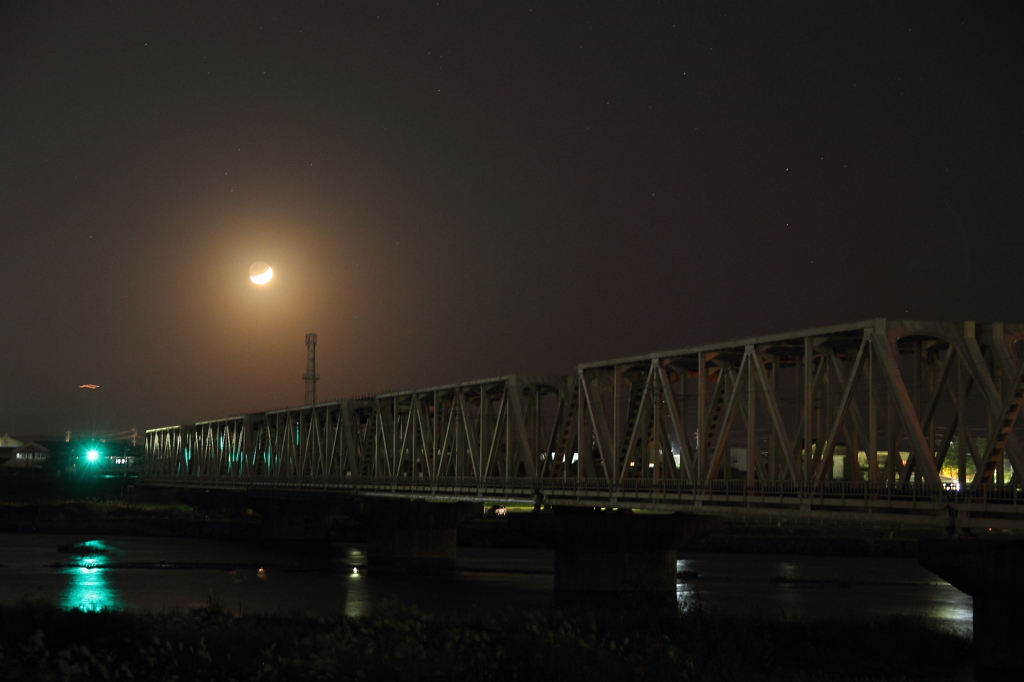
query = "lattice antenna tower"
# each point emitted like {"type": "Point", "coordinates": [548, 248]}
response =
{"type": "Point", "coordinates": [310, 375]}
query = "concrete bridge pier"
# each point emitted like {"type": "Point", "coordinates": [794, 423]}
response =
{"type": "Point", "coordinates": [412, 535]}
{"type": "Point", "coordinates": [991, 572]}
{"type": "Point", "coordinates": [618, 551]}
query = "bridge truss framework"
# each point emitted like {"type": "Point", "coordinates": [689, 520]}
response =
{"type": "Point", "coordinates": [831, 422]}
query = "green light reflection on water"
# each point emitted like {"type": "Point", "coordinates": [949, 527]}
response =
{"type": "Point", "coordinates": [90, 546]}
{"type": "Point", "coordinates": [89, 589]}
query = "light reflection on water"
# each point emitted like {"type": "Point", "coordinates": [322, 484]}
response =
{"type": "Point", "coordinates": [358, 598]}
{"type": "Point", "coordinates": [958, 613]}
{"type": "Point", "coordinates": [788, 570]}
{"type": "Point", "coordinates": [128, 573]}
{"type": "Point", "coordinates": [88, 588]}
{"type": "Point", "coordinates": [89, 547]}
{"type": "Point", "coordinates": [810, 587]}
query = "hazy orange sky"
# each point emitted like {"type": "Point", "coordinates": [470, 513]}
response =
{"type": "Point", "coordinates": [453, 191]}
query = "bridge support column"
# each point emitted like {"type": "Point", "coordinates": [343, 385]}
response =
{"type": "Point", "coordinates": [611, 551]}
{"type": "Point", "coordinates": [413, 535]}
{"type": "Point", "coordinates": [989, 571]}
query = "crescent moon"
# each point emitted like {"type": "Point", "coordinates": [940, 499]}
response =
{"type": "Point", "coordinates": [260, 273]}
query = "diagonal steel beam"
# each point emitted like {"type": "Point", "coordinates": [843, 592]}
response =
{"type": "Point", "coordinates": [771, 403]}
{"type": "Point", "coordinates": [920, 457]}
{"type": "Point", "coordinates": [840, 417]}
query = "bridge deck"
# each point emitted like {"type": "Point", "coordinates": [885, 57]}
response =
{"type": "Point", "coordinates": [910, 505]}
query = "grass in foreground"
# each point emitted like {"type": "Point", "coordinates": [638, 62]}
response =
{"type": "Point", "coordinates": [402, 643]}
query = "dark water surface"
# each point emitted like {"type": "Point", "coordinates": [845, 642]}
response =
{"type": "Point", "coordinates": [178, 573]}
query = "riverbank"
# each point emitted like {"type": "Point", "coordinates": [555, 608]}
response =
{"type": "Point", "coordinates": [114, 518]}
{"type": "Point", "coordinates": [752, 535]}
{"type": "Point", "coordinates": [400, 642]}
{"type": "Point", "coordinates": [518, 529]}
{"type": "Point", "coordinates": [808, 538]}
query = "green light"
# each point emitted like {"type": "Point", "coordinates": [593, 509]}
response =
{"type": "Point", "coordinates": [92, 455]}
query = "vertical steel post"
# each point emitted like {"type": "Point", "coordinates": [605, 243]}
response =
{"type": "Point", "coordinates": [702, 416]}
{"type": "Point", "coordinates": [310, 377]}
{"type": "Point", "coordinates": [808, 406]}
{"type": "Point", "coordinates": [751, 421]}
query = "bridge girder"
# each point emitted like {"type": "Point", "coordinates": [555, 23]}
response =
{"type": "Point", "coordinates": [874, 405]}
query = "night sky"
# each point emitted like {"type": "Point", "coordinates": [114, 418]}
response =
{"type": "Point", "coordinates": [452, 191]}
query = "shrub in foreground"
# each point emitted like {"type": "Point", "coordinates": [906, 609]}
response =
{"type": "Point", "coordinates": [401, 643]}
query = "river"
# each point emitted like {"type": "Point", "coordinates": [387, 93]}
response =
{"type": "Point", "coordinates": [159, 574]}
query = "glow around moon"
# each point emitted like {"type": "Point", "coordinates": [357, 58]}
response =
{"type": "Point", "coordinates": [260, 272]}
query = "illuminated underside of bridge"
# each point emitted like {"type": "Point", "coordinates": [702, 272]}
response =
{"type": "Point", "coordinates": [850, 421]}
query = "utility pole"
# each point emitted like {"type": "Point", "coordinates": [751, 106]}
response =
{"type": "Point", "coordinates": [310, 375]}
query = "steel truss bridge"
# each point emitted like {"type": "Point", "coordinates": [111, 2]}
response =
{"type": "Point", "coordinates": [846, 422]}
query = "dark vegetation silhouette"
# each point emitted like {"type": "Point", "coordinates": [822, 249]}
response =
{"type": "Point", "coordinates": [400, 642]}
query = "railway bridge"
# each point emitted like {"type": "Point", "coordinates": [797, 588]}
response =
{"type": "Point", "coordinates": [884, 420]}
{"type": "Point", "coordinates": [855, 419]}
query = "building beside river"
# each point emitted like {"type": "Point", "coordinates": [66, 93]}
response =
{"type": "Point", "coordinates": [31, 452]}
{"type": "Point", "coordinates": [29, 455]}
{"type": "Point", "coordinates": [22, 454]}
